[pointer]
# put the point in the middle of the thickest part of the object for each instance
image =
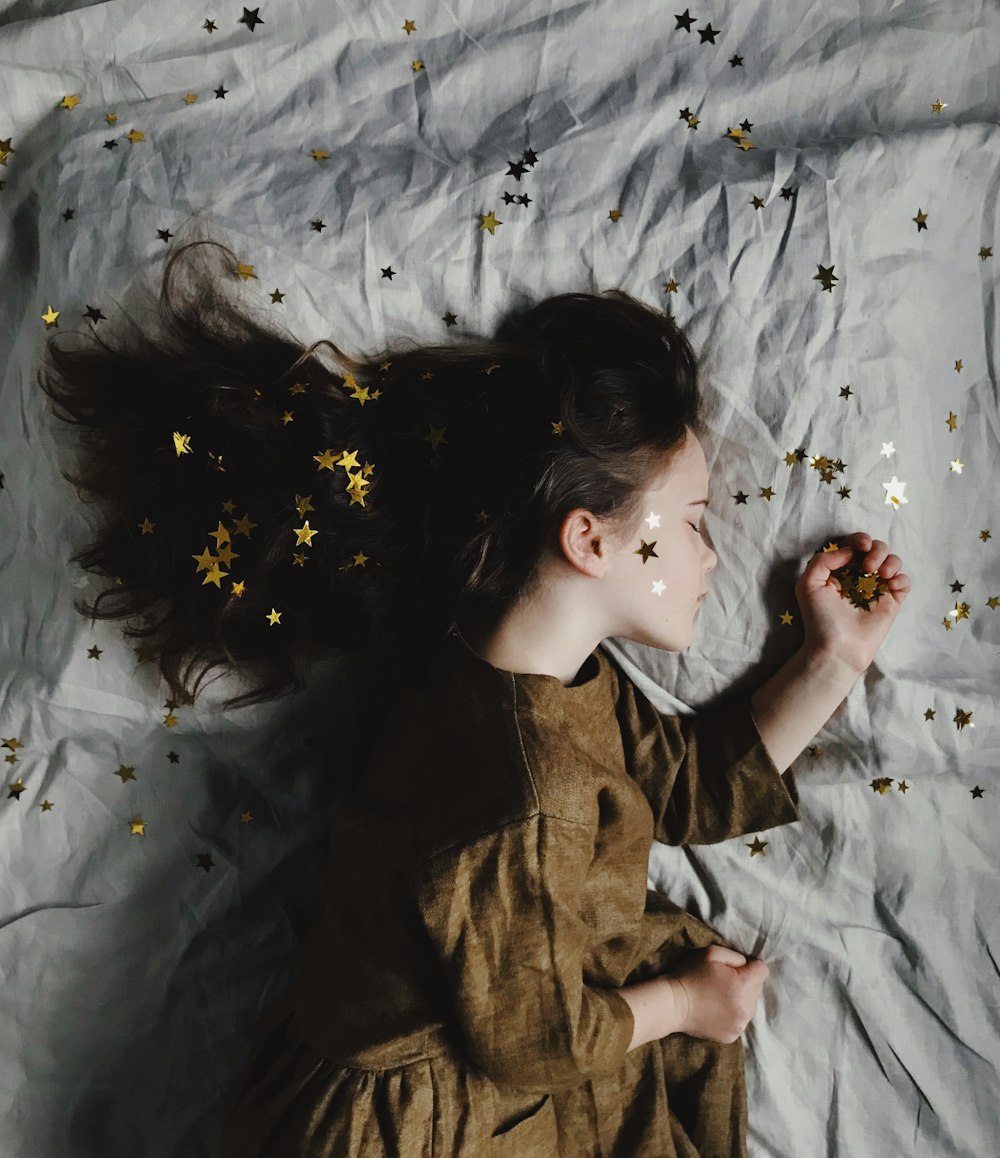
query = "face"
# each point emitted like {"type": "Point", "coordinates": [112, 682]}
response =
{"type": "Point", "coordinates": [657, 579]}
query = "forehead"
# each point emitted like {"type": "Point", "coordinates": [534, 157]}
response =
{"type": "Point", "coordinates": [685, 478]}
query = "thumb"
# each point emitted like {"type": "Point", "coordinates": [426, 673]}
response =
{"type": "Point", "coordinates": [819, 567]}
{"type": "Point", "coordinates": [724, 956]}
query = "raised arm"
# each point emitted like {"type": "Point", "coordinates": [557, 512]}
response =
{"type": "Point", "coordinates": [707, 777]}
{"type": "Point", "coordinates": [797, 701]}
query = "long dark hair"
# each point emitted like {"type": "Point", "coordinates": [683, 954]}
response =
{"type": "Point", "coordinates": [373, 503]}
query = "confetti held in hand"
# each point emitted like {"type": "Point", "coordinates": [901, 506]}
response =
{"type": "Point", "coordinates": [863, 588]}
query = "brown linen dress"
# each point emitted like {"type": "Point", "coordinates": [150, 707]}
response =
{"type": "Point", "coordinates": [456, 997]}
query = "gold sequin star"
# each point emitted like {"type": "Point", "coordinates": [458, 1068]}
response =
{"type": "Point", "coordinates": [305, 534]}
{"type": "Point", "coordinates": [758, 846]}
{"type": "Point", "coordinates": [826, 276]}
{"type": "Point", "coordinates": [786, 617]}
{"type": "Point", "coordinates": [962, 719]}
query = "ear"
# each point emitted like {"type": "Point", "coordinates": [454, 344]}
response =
{"type": "Point", "coordinates": [583, 542]}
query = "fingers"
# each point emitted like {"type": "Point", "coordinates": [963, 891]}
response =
{"type": "Point", "coordinates": [877, 557]}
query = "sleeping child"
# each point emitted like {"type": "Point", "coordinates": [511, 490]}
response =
{"type": "Point", "coordinates": [489, 974]}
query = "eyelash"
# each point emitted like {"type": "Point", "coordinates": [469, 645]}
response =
{"type": "Point", "coordinates": [694, 528]}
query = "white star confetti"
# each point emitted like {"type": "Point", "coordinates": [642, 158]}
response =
{"type": "Point", "coordinates": [658, 587]}
{"type": "Point", "coordinates": [887, 449]}
{"type": "Point", "coordinates": [894, 492]}
{"type": "Point", "coordinates": [956, 465]}
{"type": "Point", "coordinates": [652, 520]}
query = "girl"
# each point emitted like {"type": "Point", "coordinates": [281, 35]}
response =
{"type": "Point", "coordinates": [489, 974]}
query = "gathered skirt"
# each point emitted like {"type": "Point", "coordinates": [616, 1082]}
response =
{"type": "Point", "coordinates": [677, 1097]}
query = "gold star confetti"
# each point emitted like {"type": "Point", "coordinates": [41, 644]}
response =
{"type": "Point", "coordinates": [826, 276]}
{"type": "Point", "coordinates": [958, 365]}
{"type": "Point", "coordinates": [126, 772]}
{"type": "Point", "coordinates": [929, 714]}
{"type": "Point", "coordinates": [273, 617]}
{"type": "Point", "coordinates": [767, 493]}
{"type": "Point", "coordinates": [436, 435]}
{"type": "Point", "coordinates": [952, 420]}
{"type": "Point", "coordinates": [985, 251]}
{"type": "Point", "coordinates": [786, 617]}
{"type": "Point", "coordinates": [993, 602]}
{"type": "Point", "coordinates": [938, 105]}
{"type": "Point", "coordinates": [920, 219]}
{"type": "Point", "coordinates": [646, 551]}
{"type": "Point", "coordinates": [70, 102]}
{"type": "Point", "coordinates": [862, 588]}
{"type": "Point", "coordinates": [758, 846]}
{"type": "Point", "coordinates": [960, 611]}
{"type": "Point", "coordinates": [962, 719]}
{"type": "Point", "coordinates": [182, 443]}
{"type": "Point", "coordinates": [138, 826]}
{"type": "Point", "coordinates": [50, 315]}
{"type": "Point", "coordinates": [881, 784]}
{"type": "Point", "coordinates": [903, 786]}
{"type": "Point", "coordinates": [489, 221]}
{"type": "Point", "coordinates": [984, 535]}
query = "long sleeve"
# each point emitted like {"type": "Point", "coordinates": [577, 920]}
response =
{"type": "Point", "coordinates": [707, 777]}
{"type": "Point", "coordinates": [503, 912]}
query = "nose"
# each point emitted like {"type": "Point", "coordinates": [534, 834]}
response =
{"type": "Point", "coordinates": [712, 558]}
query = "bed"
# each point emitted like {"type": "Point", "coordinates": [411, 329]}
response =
{"type": "Point", "coordinates": [811, 189]}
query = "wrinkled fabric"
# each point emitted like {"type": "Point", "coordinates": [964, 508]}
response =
{"type": "Point", "coordinates": [486, 900]}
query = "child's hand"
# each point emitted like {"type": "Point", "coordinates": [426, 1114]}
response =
{"type": "Point", "coordinates": [718, 990]}
{"type": "Point", "coordinates": [833, 625]}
